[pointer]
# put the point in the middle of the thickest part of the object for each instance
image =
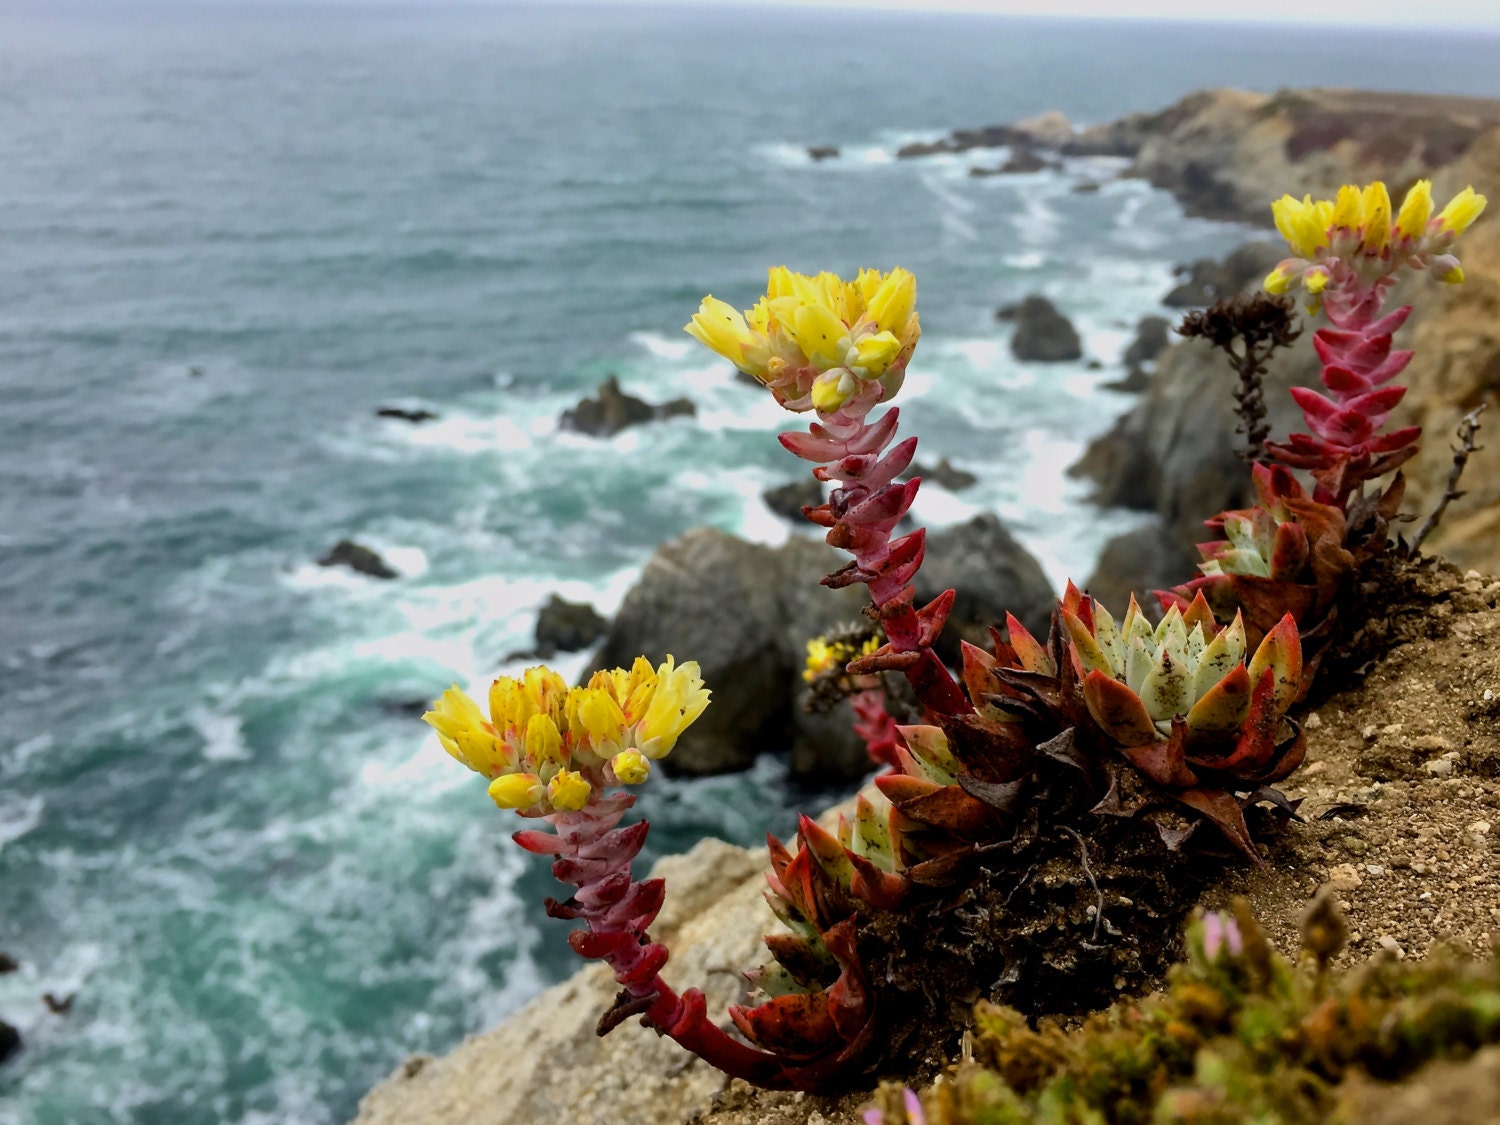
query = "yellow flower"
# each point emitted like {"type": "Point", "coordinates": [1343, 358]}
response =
{"type": "Point", "coordinates": [819, 341]}
{"type": "Point", "coordinates": [630, 767]}
{"type": "Point", "coordinates": [1349, 244]}
{"type": "Point", "coordinates": [1416, 209]}
{"type": "Point", "coordinates": [517, 791]}
{"type": "Point", "coordinates": [1300, 224]}
{"type": "Point", "coordinates": [1461, 211]}
{"type": "Point", "coordinates": [678, 700]}
{"type": "Point", "coordinates": [466, 735]}
{"type": "Point", "coordinates": [569, 791]}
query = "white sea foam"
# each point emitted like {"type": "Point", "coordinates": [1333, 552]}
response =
{"type": "Point", "coordinates": [18, 816]}
{"type": "Point", "coordinates": [1029, 260]}
{"type": "Point", "coordinates": [664, 347]}
{"type": "Point", "coordinates": [223, 736]}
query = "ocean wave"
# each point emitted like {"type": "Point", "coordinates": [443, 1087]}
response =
{"type": "Point", "coordinates": [18, 816]}
{"type": "Point", "coordinates": [223, 736]}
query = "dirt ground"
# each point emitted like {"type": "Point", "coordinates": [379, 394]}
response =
{"type": "Point", "coordinates": [1400, 810]}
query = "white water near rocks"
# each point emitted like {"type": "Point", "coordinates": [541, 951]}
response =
{"type": "Point", "coordinates": [231, 233]}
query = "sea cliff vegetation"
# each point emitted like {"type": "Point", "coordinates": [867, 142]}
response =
{"type": "Point", "coordinates": [1049, 808]}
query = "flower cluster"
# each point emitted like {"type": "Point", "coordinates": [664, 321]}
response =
{"type": "Point", "coordinates": [1350, 243]}
{"type": "Point", "coordinates": [820, 342]}
{"type": "Point", "coordinates": [551, 748]}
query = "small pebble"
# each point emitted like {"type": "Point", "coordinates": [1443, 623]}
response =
{"type": "Point", "coordinates": [1431, 742]}
{"type": "Point", "coordinates": [1355, 846]}
{"type": "Point", "coordinates": [1370, 732]}
{"type": "Point", "coordinates": [1385, 941]}
{"type": "Point", "coordinates": [1479, 826]}
{"type": "Point", "coordinates": [1392, 730]}
{"type": "Point", "coordinates": [1313, 721]}
{"type": "Point", "coordinates": [1438, 767]}
{"type": "Point", "coordinates": [1343, 877]}
{"type": "Point", "coordinates": [1374, 869]}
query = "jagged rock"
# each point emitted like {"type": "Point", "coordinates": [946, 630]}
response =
{"type": "Point", "coordinates": [358, 557]}
{"type": "Point", "coordinates": [612, 410]}
{"type": "Point", "coordinates": [944, 474]}
{"type": "Point", "coordinates": [992, 573]}
{"type": "Point", "coordinates": [922, 148]}
{"type": "Point", "coordinates": [1086, 187]}
{"type": "Point", "coordinates": [1043, 334]}
{"type": "Point", "coordinates": [8, 964]}
{"type": "Point", "coordinates": [10, 1041]}
{"type": "Point", "coordinates": [1023, 158]}
{"type": "Point", "coordinates": [788, 500]}
{"type": "Point", "coordinates": [1152, 336]}
{"type": "Point", "coordinates": [564, 626]}
{"type": "Point", "coordinates": [1008, 312]}
{"type": "Point", "coordinates": [402, 414]}
{"type": "Point", "coordinates": [1175, 452]}
{"type": "Point", "coordinates": [1051, 129]}
{"type": "Point", "coordinates": [1211, 280]}
{"type": "Point", "coordinates": [820, 153]}
{"type": "Point", "coordinates": [745, 612]}
{"type": "Point", "coordinates": [1138, 562]}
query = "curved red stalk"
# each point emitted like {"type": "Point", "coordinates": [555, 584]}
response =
{"type": "Point", "coordinates": [861, 513]}
{"type": "Point", "coordinates": [595, 856]}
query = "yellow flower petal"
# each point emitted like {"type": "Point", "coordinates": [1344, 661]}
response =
{"type": "Point", "coordinates": [1377, 224]}
{"type": "Point", "coordinates": [1279, 280]}
{"type": "Point", "coordinates": [720, 327]}
{"type": "Point", "coordinates": [892, 303]}
{"type": "Point", "coordinates": [679, 699]}
{"type": "Point", "coordinates": [1416, 210]}
{"type": "Point", "coordinates": [1461, 211]}
{"type": "Point", "coordinates": [1348, 208]}
{"type": "Point", "coordinates": [818, 332]}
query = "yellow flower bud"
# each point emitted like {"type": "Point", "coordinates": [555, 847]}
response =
{"type": "Point", "coordinates": [1279, 280]}
{"type": "Point", "coordinates": [466, 734]}
{"type": "Point", "coordinates": [679, 699]}
{"type": "Point", "coordinates": [569, 791]}
{"type": "Point", "coordinates": [601, 717]}
{"type": "Point", "coordinates": [517, 791]}
{"type": "Point", "coordinates": [1377, 215]}
{"type": "Point", "coordinates": [1416, 209]}
{"type": "Point", "coordinates": [832, 389]}
{"type": "Point", "coordinates": [630, 767]}
{"type": "Point", "coordinates": [1315, 281]}
{"type": "Point", "coordinates": [1348, 208]}
{"type": "Point", "coordinates": [1461, 211]}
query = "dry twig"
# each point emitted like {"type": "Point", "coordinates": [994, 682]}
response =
{"type": "Point", "coordinates": [1466, 431]}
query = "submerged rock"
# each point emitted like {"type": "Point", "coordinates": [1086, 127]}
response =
{"type": "Point", "coordinates": [1043, 334]}
{"type": "Point", "coordinates": [358, 557]}
{"type": "Point", "coordinates": [944, 474]}
{"type": "Point", "coordinates": [1152, 335]}
{"type": "Point", "coordinates": [820, 153]}
{"type": "Point", "coordinates": [402, 414]}
{"type": "Point", "coordinates": [612, 410]}
{"type": "Point", "coordinates": [564, 626]}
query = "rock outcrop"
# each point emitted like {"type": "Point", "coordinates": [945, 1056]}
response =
{"type": "Point", "coordinates": [612, 410]}
{"type": "Point", "coordinates": [564, 626]}
{"type": "Point", "coordinates": [1043, 334]}
{"type": "Point", "coordinates": [1212, 279]}
{"type": "Point", "coordinates": [745, 612]}
{"type": "Point", "coordinates": [359, 558]}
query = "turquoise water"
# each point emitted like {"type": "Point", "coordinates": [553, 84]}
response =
{"type": "Point", "coordinates": [217, 825]}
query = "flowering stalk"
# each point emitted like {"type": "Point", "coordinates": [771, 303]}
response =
{"type": "Point", "coordinates": [1347, 253]}
{"type": "Point", "coordinates": [841, 348]}
{"type": "Point", "coordinates": [558, 754]}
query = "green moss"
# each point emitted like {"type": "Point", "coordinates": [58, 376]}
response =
{"type": "Point", "coordinates": [1239, 1034]}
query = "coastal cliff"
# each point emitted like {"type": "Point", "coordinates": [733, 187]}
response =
{"type": "Point", "coordinates": [1401, 782]}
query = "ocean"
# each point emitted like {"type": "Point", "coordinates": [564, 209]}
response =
{"type": "Point", "coordinates": [230, 232]}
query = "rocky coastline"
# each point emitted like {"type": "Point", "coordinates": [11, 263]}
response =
{"type": "Point", "coordinates": [1402, 785]}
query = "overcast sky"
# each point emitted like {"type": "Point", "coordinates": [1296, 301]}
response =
{"type": "Point", "coordinates": [1397, 13]}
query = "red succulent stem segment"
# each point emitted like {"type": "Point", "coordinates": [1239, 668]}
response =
{"type": "Point", "coordinates": [594, 855]}
{"type": "Point", "coordinates": [862, 511]}
{"type": "Point", "coordinates": [1346, 447]}
{"type": "Point", "coordinates": [874, 724]}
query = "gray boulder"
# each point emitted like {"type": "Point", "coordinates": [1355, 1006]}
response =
{"type": "Point", "coordinates": [992, 574]}
{"type": "Point", "coordinates": [564, 626]}
{"type": "Point", "coordinates": [359, 558]}
{"type": "Point", "coordinates": [1138, 562]}
{"type": "Point", "coordinates": [612, 410]}
{"type": "Point", "coordinates": [1152, 336]}
{"type": "Point", "coordinates": [1043, 334]}
{"type": "Point", "coordinates": [788, 500]}
{"type": "Point", "coordinates": [744, 611]}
